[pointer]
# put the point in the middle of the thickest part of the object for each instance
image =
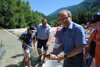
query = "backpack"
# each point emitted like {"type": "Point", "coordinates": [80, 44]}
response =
{"type": "Point", "coordinates": [93, 45]}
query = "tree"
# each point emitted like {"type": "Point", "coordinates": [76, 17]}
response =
{"type": "Point", "coordinates": [17, 14]}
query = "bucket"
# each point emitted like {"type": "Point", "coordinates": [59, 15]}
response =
{"type": "Point", "coordinates": [52, 63]}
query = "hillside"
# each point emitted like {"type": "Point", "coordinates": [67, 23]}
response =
{"type": "Point", "coordinates": [86, 5]}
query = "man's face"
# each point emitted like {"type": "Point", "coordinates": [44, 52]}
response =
{"type": "Point", "coordinates": [63, 18]}
{"type": "Point", "coordinates": [44, 22]}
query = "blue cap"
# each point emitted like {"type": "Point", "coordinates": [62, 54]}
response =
{"type": "Point", "coordinates": [32, 28]}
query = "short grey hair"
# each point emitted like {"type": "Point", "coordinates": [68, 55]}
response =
{"type": "Point", "coordinates": [67, 11]}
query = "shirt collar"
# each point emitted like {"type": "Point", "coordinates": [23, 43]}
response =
{"type": "Point", "coordinates": [70, 25]}
{"type": "Point", "coordinates": [44, 26]}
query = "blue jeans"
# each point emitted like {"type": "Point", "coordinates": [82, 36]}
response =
{"type": "Point", "coordinates": [89, 61]}
{"type": "Point", "coordinates": [76, 61]}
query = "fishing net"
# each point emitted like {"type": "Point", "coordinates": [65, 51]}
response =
{"type": "Point", "coordinates": [35, 56]}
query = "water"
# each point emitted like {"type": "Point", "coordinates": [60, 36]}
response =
{"type": "Point", "coordinates": [2, 51]}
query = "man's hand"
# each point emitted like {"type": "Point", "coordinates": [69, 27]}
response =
{"type": "Point", "coordinates": [47, 43]}
{"type": "Point", "coordinates": [34, 43]}
{"type": "Point", "coordinates": [55, 57]}
{"type": "Point", "coordinates": [60, 57]}
{"type": "Point", "coordinates": [52, 57]}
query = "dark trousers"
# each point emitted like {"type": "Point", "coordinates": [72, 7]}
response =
{"type": "Point", "coordinates": [76, 61]}
{"type": "Point", "coordinates": [42, 43]}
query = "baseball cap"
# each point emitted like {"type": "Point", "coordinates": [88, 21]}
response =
{"type": "Point", "coordinates": [95, 17]}
{"type": "Point", "coordinates": [32, 28]}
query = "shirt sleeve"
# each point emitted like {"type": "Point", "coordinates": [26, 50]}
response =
{"type": "Point", "coordinates": [92, 36]}
{"type": "Point", "coordinates": [80, 36]}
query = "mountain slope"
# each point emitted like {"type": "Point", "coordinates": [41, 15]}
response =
{"type": "Point", "coordinates": [86, 5]}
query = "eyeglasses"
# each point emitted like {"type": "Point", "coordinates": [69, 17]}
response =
{"type": "Point", "coordinates": [62, 19]}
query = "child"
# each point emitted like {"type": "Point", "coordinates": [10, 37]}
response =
{"type": "Point", "coordinates": [26, 38]}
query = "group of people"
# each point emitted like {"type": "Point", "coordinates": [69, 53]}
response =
{"type": "Point", "coordinates": [41, 35]}
{"type": "Point", "coordinates": [70, 37]}
{"type": "Point", "coordinates": [93, 42]}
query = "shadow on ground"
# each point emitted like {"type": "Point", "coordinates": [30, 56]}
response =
{"type": "Point", "coordinates": [13, 65]}
{"type": "Point", "coordinates": [18, 55]}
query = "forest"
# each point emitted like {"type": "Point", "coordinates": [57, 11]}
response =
{"type": "Point", "coordinates": [18, 13]}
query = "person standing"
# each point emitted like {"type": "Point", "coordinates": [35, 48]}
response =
{"type": "Point", "coordinates": [72, 37]}
{"type": "Point", "coordinates": [90, 48]}
{"type": "Point", "coordinates": [57, 46]}
{"type": "Point", "coordinates": [27, 38]}
{"type": "Point", "coordinates": [96, 22]}
{"type": "Point", "coordinates": [43, 36]}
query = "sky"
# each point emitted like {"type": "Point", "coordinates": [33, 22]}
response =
{"type": "Point", "coordinates": [49, 6]}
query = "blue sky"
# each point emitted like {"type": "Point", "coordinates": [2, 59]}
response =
{"type": "Point", "coordinates": [48, 6]}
